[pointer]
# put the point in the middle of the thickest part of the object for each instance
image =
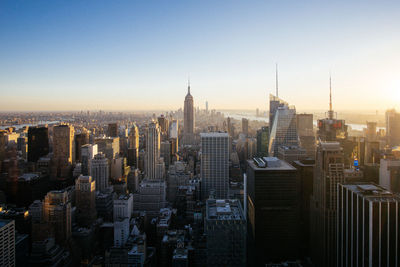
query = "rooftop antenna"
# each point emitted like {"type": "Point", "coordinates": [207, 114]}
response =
{"type": "Point", "coordinates": [276, 79]}
{"type": "Point", "coordinates": [189, 85]}
{"type": "Point", "coordinates": [330, 112]}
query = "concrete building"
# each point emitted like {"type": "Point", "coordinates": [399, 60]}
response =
{"type": "Point", "coordinates": [151, 197]}
{"type": "Point", "coordinates": [291, 153]}
{"type": "Point", "coordinates": [123, 206]}
{"type": "Point", "coordinates": [367, 223]}
{"type": "Point", "coordinates": [121, 231]}
{"type": "Point", "coordinates": [7, 243]}
{"type": "Point", "coordinates": [100, 171]}
{"type": "Point", "coordinates": [392, 127]}
{"type": "Point", "coordinates": [329, 171]}
{"type": "Point", "coordinates": [152, 151]}
{"type": "Point", "coordinates": [57, 214]}
{"type": "Point", "coordinates": [214, 168]}
{"type": "Point", "coordinates": [389, 174]}
{"type": "Point", "coordinates": [133, 150]}
{"type": "Point", "coordinates": [109, 146]}
{"type": "Point", "coordinates": [273, 209]}
{"type": "Point", "coordinates": [63, 150]}
{"type": "Point", "coordinates": [225, 228]}
{"type": "Point", "coordinates": [112, 130]}
{"type": "Point", "coordinates": [88, 152]}
{"type": "Point", "coordinates": [245, 126]}
{"type": "Point", "coordinates": [85, 193]}
{"type": "Point", "coordinates": [81, 139]}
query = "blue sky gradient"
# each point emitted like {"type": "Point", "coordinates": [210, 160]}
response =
{"type": "Point", "coordinates": [135, 55]}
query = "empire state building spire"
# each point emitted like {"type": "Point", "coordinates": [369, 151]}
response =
{"type": "Point", "coordinates": [188, 120]}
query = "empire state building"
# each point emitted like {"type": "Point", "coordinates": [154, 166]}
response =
{"type": "Point", "coordinates": [188, 119]}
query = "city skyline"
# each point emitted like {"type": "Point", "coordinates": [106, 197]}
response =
{"type": "Point", "coordinates": [137, 56]}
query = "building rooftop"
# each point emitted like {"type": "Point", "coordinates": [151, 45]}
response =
{"type": "Point", "coordinates": [224, 209]}
{"type": "Point", "coordinates": [372, 192]}
{"type": "Point", "coordinates": [269, 163]}
{"type": "Point", "coordinates": [214, 134]}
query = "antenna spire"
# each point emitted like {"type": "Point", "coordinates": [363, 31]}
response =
{"type": "Point", "coordinates": [188, 85]}
{"type": "Point", "coordinates": [330, 112]}
{"type": "Point", "coordinates": [276, 79]}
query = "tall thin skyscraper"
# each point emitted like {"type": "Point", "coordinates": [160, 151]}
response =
{"type": "Point", "coordinates": [153, 151]}
{"type": "Point", "coordinates": [63, 150]}
{"type": "Point", "coordinates": [215, 164]}
{"type": "Point", "coordinates": [368, 226]}
{"type": "Point", "coordinates": [7, 248]}
{"type": "Point", "coordinates": [188, 120]}
{"type": "Point", "coordinates": [100, 171]}
{"type": "Point", "coordinates": [133, 150]}
{"type": "Point", "coordinates": [392, 127]}
{"type": "Point", "coordinates": [38, 143]}
{"type": "Point", "coordinates": [329, 171]}
{"type": "Point", "coordinates": [283, 130]}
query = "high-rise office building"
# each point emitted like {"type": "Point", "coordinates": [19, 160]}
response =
{"type": "Point", "coordinates": [112, 130]}
{"type": "Point", "coordinates": [164, 126]}
{"type": "Point", "coordinates": [329, 171]}
{"type": "Point", "coordinates": [262, 141]}
{"type": "Point", "coordinates": [273, 196]}
{"type": "Point", "coordinates": [225, 228]}
{"type": "Point", "coordinates": [151, 197]}
{"type": "Point", "coordinates": [283, 130]}
{"type": "Point", "coordinates": [109, 146]}
{"type": "Point", "coordinates": [305, 171]}
{"type": "Point", "coordinates": [38, 143]}
{"type": "Point", "coordinates": [152, 151]}
{"type": "Point", "coordinates": [80, 140]}
{"type": "Point", "coordinates": [368, 226]}
{"type": "Point", "coordinates": [188, 119]}
{"type": "Point", "coordinates": [63, 143]}
{"type": "Point", "coordinates": [306, 133]}
{"type": "Point", "coordinates": [99, 170]}
{"type": "Point", "coordinates": [123, 206]}
{"type": "Point", "coordinates": [7, 243]}
{"type": "Point", "coordinates": [392, 127]}
{"type": "Point", "coordinates": [371, 133]}
{"type": "Point", "coordinates": [133, 150]}
{"type": "Point", "coordinates": [85, 194]}
{"type": "Point", "coordinates": [245, 126]}
{"type": "Point", "coordinates": [274, 103]}
{"type": "Point", "coordinates": [215, 164]}
{"type": "Point", "coordinates": [87, 154]}
{"type": "Point", "coordinates": [57, 214]}
{"type": "Point", "coordinates": [389, 174]}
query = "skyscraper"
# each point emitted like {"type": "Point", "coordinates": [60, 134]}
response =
{"type": "Point", "coordinates": [188, 119]}
{"type": "Point", "coordinates": [283, 130]}
{"type": "Point", "coordinates": [133, 150]}
{"type": "Point", "coordinates": [87, 154]}
{"type": "Point", "coordinates": [245, 126]}
{"type": "Point", "coordinates": [100, 171]}
{"type": "Point", "coordinates": [329, 171]}
{"type": "Point", "coordinates": [368, 225]}
{"type": "Point", "coordinates": [331, 129]}
{"type": "Point", "coordinates": [7, 247]}
{"type": "Point", "coordinates": [57, 214]}
{"type": "Point", "coordinates": [273, 196]}
{"type": "Point", "coordinates": [274, 103]}
{"type": "Point", "coordinates": [80, 140]}
{"type": "Point", "coordinates": [112, 130]}
{"type": "Point", "coordinates": [262, 141]}
{"type": "Point", "coordinates": [392, 127]}
{"type": "Point", "coordinates": [225, 228]}
{"type": "Point", "coordinates": [63, 150]}
{"type": "Point", "coordinates": [38, 143]}
{"type": "Point", "coordinates": [85, 192]}
{"type": "Point", "coordinates": [152, 151]}
{"type": "Point", "coordinates": [215, 164]}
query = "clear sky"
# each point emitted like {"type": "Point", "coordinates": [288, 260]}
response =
{"type": "Point", "coordinates": [130, 55]}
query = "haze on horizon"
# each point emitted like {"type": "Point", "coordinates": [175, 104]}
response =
{"type": "Point", "coordinates": [137, 55]}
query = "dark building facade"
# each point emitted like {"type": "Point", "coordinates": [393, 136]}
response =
{"type": "Point", "coordinates": [273, 194]}
{"type": "Point", "coordinates": [38, 143]}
